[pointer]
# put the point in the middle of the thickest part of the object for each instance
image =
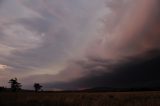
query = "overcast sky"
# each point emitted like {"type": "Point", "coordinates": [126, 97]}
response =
{"type": "Point", "coordinates": [57, 42]}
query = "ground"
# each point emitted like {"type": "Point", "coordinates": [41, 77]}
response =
{"type": "Point", "coordinates": [150, 98]}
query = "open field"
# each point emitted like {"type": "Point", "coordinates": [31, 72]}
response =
{"type": "Point", "coordinates": [151, 98]}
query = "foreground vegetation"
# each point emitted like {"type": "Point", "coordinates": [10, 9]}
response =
{"type": "Point", "coordinates": [151, 98]}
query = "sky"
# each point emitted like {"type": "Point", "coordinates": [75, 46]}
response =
{"type": "Point", "coordinates": [78, 44]}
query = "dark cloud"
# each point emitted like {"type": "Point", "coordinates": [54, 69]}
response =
{"type": "Point", "coordinates": [136, 71]}
{"type": "Point", "coordinates": [129, 56]}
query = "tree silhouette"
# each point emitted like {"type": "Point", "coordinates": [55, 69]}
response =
{"type": "Point", "coordinates": [37, 87]}
{"type": "Point", "coordinates": [15, 85]}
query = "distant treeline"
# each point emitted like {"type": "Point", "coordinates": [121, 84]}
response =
{"type": "Point", "coordinates": [3, 89]}
{"type": "Point", "coordinates": [120, 89]}
{"type": "Point", "coordinates": [112, 90]}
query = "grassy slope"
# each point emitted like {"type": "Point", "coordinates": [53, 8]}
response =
{"type": "Point", "coordinates": [80, 99]}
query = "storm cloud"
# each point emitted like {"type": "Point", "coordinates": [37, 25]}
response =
{"type": "Point", "coordinates": [126, 54]}
{"type": "Point", "coordinates": [139, 71]}
{"type": "Point", "coordinates": [72, 44]}
{"type": "Point", "coordinates": [40, 37]}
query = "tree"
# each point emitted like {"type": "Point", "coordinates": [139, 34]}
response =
{"type": "Point", "coordinates": [37, 87]}
{"type": "Point", "coordinates": [15, 85]}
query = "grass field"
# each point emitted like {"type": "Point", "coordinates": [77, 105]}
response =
{"type": "Point", "coordinates": [80, 99]}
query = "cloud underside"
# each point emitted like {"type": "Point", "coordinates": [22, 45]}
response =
{"type": "Point", "coordinates": [135, 72]}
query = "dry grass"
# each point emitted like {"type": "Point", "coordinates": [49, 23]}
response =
{"type": "Point", "coordinates": [80, 99]}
